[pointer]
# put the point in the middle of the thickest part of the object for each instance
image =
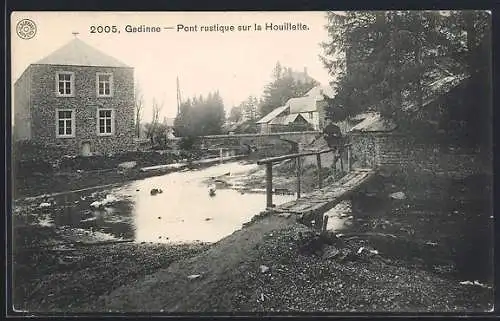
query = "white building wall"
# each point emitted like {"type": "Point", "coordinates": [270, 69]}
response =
{"type": "Point", "coordinates": [314, 119]}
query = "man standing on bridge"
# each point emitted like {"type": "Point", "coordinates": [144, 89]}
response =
{"type": "Point", "coordinates": [332, 135]}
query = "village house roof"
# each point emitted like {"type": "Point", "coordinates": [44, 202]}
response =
{"type": "Point", "coordinates": [318, 92]}
{"type": "Point", "coordinates": [275, 113]}
{"type": "Point", "coordinates": [302, 104]}
{"type": "Point", "coordinates": [287, 119]}
{"type": "Point", "coordinates": [374, 122]}
{"type": "Point", "coordinates": [439, 87]}
{"type": "Point", "coordinates": [78, 53]}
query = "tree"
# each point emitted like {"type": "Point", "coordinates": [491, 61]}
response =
{"type": "Point", "coordinates": [235, 114]}
{"type": "Point", "coordinates": [247, 110]}
{"type": "Point", "coordinates": [155, 131]}
{"type": "Point", "coordinates": [201, 116]}
{"type": "Point", "coordinates": [283, 87]}
{"type": "Point", "coordinates": [387, 60]}
{"type": "Point", "coordinates": [139, 104]}
{"type": "Point", "coordinates": [469, 34]}
{"type": "Point", "coordinates": [183, 121]}
{"type": "Point", "coordinates": [393, 61]}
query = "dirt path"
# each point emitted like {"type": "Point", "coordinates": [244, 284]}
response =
{"type": "Point", "coordinates": [212, 265]}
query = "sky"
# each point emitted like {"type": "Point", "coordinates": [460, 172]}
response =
{"type": "Point", "coordinates": [237, 63]}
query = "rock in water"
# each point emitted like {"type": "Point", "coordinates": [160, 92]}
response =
{"type": "Point", "coordinates": [211, 190]}
{"type": "Point", "coordinates": [155, 191]}
{"type": "Point", "coordinates": [127, 165]}
{"type": "Point", "coordinates": [398, 196]}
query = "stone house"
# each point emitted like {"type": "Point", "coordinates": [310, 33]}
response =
{"type": "Point", "coordinates": [265, 123]}
{"type": "Point", "coordinates": [290, 123]}
{"type": "Point", "coordinates": [309, 108]}
{"type": "Point", "coordinates": [313, 107]}
{"type": "Point", "coordinates": [77, 99]}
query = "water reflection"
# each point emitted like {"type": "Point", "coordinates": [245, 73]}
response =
{"type": "Point", "coordinates": [183, 212]}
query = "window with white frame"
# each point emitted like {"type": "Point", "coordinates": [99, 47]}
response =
{"type": "Point", "coordinates": [104, 84]}
{"type": "Point", "coordinates": [105, 121]}
{"type": "Point", "coordinates": [65, 124]}
{"type": "Point", "coordinates": [65, 83]}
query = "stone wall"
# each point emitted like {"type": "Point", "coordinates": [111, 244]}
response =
{"type": "Point", "coordinates": [405, 154]}
{"type": "Point", "coordinates": [422, 170]}
{"type": "Point", "coordinates": [21, 110]}
{"type": "Point", "coordinates": [363, 150]}
{"type": "Point", "coordinates": [85, 102]}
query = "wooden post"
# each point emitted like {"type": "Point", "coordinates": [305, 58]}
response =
{"type": "Point", "coordinates": [320, 178]}
{"type": "Point", "coordinates": [334, 163]}
{"type": "Point", "coordinates": [325, 223]}
{"type": "Point", "coordinates": [348, 158]}
{"type": "Point", "coordinates": [341, 160]}
{"type": "Point", "coordinates": [220, 154]}
{"type": "Point", "coordinates": [297, 161]}
{"type": "Point", "coordinates": [269, 185]}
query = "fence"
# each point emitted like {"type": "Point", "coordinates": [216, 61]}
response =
{"type": "Point", "coordinates": [269, 162]}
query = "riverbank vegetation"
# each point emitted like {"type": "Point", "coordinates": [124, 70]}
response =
{"type": "Point", "coordinates": [400, 62]}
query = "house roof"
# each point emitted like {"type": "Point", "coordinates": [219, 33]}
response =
{"type": "Point", "coordinates": [318, 92]}
{"type": "Point", "coordinates": [78, 53]}
{"type": "Point", "coordinates": [361, 116]}
{"type": "Point", "coordinates": [286, 119]}
{"type": "Point", "coordinates": [374, 122]}
{"type": "Point", "coordinates": [275, 113]}
{"type": "Point", "coordinates": [440, 87]}
{"type": "Point", "coordinates": [445, 84]}
{"type": "Point", "coordinates": [302, 104]}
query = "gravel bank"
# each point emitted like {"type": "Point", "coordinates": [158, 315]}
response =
{"type": "Point", "coordinates": [276, 264]}
{"type": "Point", "coordinates": [62, 278]}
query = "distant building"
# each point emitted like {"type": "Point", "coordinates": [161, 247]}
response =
{"type": "Point", "coordinates": [265, 123]}
{"type": "Point", "coordinates": [310, 108]}
{"type": "Point", "coordinates": [78, 99]}
{"type": "Point", "coordinates": [301, 76]}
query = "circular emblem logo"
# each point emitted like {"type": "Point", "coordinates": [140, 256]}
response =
{"type": "Point", "coordinates": [26, 29]}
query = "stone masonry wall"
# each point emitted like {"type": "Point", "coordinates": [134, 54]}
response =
{"type": "Point", "coordinates": [85, 102]}
{"type": "Point", "coordinates": [21, 108]}
{"type": "Point", "coordinates": [363, 152]}
{"type": "Point", "coordinates": [399, 153]}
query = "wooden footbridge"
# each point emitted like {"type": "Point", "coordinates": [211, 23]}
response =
{"type": "Point", "coordinates": [314, 205]}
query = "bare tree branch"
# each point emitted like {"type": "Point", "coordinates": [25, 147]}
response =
{"type": "Point", "coordinates": [139, 106]}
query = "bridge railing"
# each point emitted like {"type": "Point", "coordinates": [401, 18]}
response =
{"type": "Point", "coordinates": [269, 162]}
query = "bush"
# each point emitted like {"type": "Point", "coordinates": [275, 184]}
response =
{"type": "Point", "coordinates": [188, 142]}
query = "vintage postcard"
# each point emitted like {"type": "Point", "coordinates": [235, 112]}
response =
{"type": "Point", "coordinates": [239, 162]}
